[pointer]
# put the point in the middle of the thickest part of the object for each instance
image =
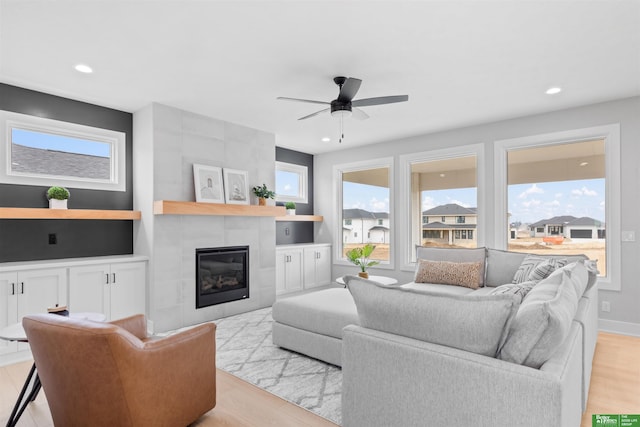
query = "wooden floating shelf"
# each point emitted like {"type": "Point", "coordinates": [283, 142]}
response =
{"type": "Point", "coordinates": [314, 218]}
{"type": "Point", "coordinates": [44, 213]}
{"type": "Point", "coordinates": [171, 207]}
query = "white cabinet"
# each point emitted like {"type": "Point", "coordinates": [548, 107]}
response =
{"type": "Point", "coordinates": [301, 267]}
{"type": "Point", "coordinates": [317, 266]}
{"type": "Point", "coordinates": [29, 292]}
{"type": "Point", "coordinates": [288, 270]}
{"type": "Point", "coordinates": [117, 290]}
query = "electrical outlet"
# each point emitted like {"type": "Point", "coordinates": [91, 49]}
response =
{"type": "Point", "coordinates": [53, 239]}
{"type": "Point", "coordinates": [606, 307]}
{"type": "Point", "coordinates": [628, 236]}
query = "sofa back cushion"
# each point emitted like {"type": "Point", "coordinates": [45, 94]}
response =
{"type": "Point", "coordinates": [457, 255]}
{"type": "Point", "coordinates": [478, 324]}
{"type": "Point", "coordinates": [544, 317]}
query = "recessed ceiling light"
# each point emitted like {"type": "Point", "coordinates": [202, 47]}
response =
{"type": "Point", "coordinates": [584, 163]}
{"type": "Point", "coordinates": [442, 175]}
{"type": "Point", "coordinates": [326, 139]}
{"type": "Point", "coordinates": [83, 68]}
{"type": "Point", "coordinates": [553, 90]}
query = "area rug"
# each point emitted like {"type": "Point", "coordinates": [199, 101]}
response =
{"type": "Point", "coordinates": [244, 348]}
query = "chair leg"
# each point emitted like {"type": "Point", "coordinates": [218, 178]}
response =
{"type": "Point", "coordinates": [21, 403]}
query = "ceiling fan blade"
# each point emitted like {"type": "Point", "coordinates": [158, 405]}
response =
{"type": "Point", "coordinates": [359, 114]}
{"type": "Point", "coordinates": [379, 100]}
{"type": "Point", "coordinates": [349, 89]}
{"type": "Point", "coordinates": [314, 114]}
{"type": "Point", "coordinates": [311, 101]}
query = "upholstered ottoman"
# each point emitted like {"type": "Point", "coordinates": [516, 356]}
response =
{"type": "Point", "coordinates": [312, 323]}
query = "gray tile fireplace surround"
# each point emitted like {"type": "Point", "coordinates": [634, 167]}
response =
{"type": "Point", "coordinates": [168, 141]}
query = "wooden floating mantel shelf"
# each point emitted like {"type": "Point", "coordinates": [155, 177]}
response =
{"type": "Point", "coordinates": [44, 213]}
{"type": "Point", "coordinates": [315, 218]}
{"type": "Point", "coordinates": [171, 207]}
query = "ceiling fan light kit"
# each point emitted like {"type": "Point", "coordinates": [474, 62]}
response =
{"type": "Point", "coordinates": [344, 106]}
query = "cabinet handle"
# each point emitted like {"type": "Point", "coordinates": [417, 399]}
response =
{"type": "Point", "coordinates": [317, 255]}
{"type": "Point", "coordinates": [22, 283]}
{"type": "Point", "coordinates": [107, 278]}
{"type": "Point", "coordinates": [13, 289]}
{"type": "Point", "coordinates": [113, 277]}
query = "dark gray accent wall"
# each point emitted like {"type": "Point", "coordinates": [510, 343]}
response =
{"type": "Point", "coordinates": [25, 240]}
{"type": "Point", "coordinates": [289, 232]}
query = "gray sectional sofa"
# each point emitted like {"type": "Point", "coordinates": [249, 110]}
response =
{"type": "Point", "coordinates": [425, 353]}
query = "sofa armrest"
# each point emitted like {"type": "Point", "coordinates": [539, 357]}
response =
{"type": "Point", "coordinates": [135, 325]}
{"type": "Point", "coordinates": [393, 380]}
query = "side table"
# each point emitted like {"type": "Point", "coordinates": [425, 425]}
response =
{"type": "Point", "coordinates": [16, 332]}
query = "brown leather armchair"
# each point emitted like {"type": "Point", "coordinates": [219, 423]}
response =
{"type": "Point", "coordinates": [109, 374]}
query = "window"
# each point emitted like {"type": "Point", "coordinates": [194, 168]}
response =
{"type": "Point", "coordinates": [460, 220]}
{"type": "Point", "coordinates": [364, 194]}
{"type": "Point", "coordinates": [291, 182]}
{"type": "Point", "coordinates": [563, 189]}
{"type": "Point", "coordinates": [45, 152]}
{"type": "Point", "coordinates": [347, 222]}
{"type": "Point", "coordinates": [425, 219]}
{"type": "Point", "coordinates": [443, 219]}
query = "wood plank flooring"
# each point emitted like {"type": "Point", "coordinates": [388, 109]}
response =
{"type": "Point", "coordinates": [615, 388]}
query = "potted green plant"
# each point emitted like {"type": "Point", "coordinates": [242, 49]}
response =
{"type": "Point", "coordinates": [290, 207]}
{"type": "Point", "coordinates": [263, 193]}
{"type": "Point", "coordinates": [58, 197]}
{"type": "Point", "coordinates": [360, 257]}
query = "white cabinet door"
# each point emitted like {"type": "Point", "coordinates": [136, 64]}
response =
{"type": "Point", "coordinates": [88, 288]}
{"type": "Point", "coordinates": [41, 289]}
{"type": "Point", "coordinates": [317, 266]}
{"type": "Point", "coordinates": [128, 290]}
{"type": "Point", "coordinates": [289, 275]}
{"type": "Point", "coordinates": [8, 308]}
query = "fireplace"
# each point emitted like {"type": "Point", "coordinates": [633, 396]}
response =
{"type": "Point", "coordinates": [222, 275]}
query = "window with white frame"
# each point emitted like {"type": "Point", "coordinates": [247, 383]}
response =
{"type": "Point", "coordinates": [364, 202]}
{"type": "Point", "coordinates": [562, 191]}
{"type": "Point", "coordinates": [40, 151]}
{"type": "Point", "coordinates": [291, 182]}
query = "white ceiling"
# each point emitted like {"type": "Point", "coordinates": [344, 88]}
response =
{"type": "Point", "coordinates": [461, 63]}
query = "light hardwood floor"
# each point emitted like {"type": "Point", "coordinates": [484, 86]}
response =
{"type": "Point", "coordinates": [615, 388]}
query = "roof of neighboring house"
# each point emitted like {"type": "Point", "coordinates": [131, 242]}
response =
{"type": "Point", "coordinates": [361, 213]}
{"type": "Point", "coordinates": [443, 226]}
{"type": "Point", "coordinates": [50, 162]}
{"type": "Point", "coordinates": [567, 220]}
{"type": "Point", "coordinates": [379, 227]}
{"type": "Point", "coordinates": [451, 209]}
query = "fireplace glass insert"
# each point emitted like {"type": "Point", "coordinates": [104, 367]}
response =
{"type": "Point", "coordinates": [222, 275]}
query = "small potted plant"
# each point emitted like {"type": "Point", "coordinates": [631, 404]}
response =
{"type": "Point", "coordinates": [290, 207]}
{"type": "Point", "coordinates": [263, 193]}
{"type": "Point", "coordinates": [360, 257]}
{"type": "Point", "coordinates": [58, 197]}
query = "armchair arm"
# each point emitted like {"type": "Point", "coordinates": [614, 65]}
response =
{"type": "Point", "coordinates": [136, 325]}
{"type": "Point", "coordinates": [176, 376]}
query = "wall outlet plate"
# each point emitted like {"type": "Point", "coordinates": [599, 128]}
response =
{"type": "Point", "coordinates": [628, 236]}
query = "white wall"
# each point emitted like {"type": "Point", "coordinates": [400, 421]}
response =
{"type": "Point", "coordinates": [625, 314]}
{"type": "Point", "coordinates": [168, 142]}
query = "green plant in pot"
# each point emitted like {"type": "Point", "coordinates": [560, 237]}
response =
{"type": "Point", "coordinates": [290, 207]}
{"type": "Point", "coordinates": [360, 257]}
{"type": "Point", "coordinates": [263, 193]}
{"type": "Point", "coordinates": [58, 197]}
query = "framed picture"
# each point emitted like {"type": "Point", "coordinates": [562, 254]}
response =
{"type": "Point", "coordinates": [236, 186]}
{"type": "Point", "coordinates": [207, 181]}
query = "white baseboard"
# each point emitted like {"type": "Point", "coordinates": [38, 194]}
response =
{"type": "Point", "coordinates": [18, 356]}
{"type": "Point", "coordinates": [616, 327]}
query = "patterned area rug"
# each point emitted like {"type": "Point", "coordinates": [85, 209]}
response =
{"type": "Point", "coordinates": [245, 349]}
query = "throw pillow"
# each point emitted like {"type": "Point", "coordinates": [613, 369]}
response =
{"type": "Point", "coordinates": [520, 290]}
{"type": "Point", "coordinates": [536, 268]}
{"type": "Point", "coordinates": [467, 274]}
{"type": "Point", "coordinates": [478, 324]}
{"type": "Point", "coordinates": [545, 316]}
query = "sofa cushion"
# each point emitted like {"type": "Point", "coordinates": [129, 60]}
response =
{"type": "Point", "coordinates": [472, 323]}
{"type": "Point", "coordinates": [545, 316]}
{"type": "Point", "coordinates": [501, 266]}
{"type": "Point", "coordinates": [520, 290]}
{"type": "Point", "coordinates": [467, 274]}
{"type": "Point", "coordinates": [325, 312]}
{"type": "Point", "coordinates": [536, 268]}
{"type": "Point", "coordinates": [454, 255]}
{"type": "Point", "coordinates": [440, 288]}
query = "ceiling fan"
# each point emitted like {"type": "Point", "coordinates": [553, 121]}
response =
{"type": "Point", "coordinates": [344, 105]}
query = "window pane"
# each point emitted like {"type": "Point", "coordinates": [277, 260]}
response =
{"type": "Point", "coordinates": [39, 153]}
{"type": "Point", "coordinates": [287, 183]}
{"type": "Point", "coordinates": [556, 200]}
{"type": "Point", "coordinates": [444, 203]}
{"type": "Point", "coordinates": [365, 214]}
